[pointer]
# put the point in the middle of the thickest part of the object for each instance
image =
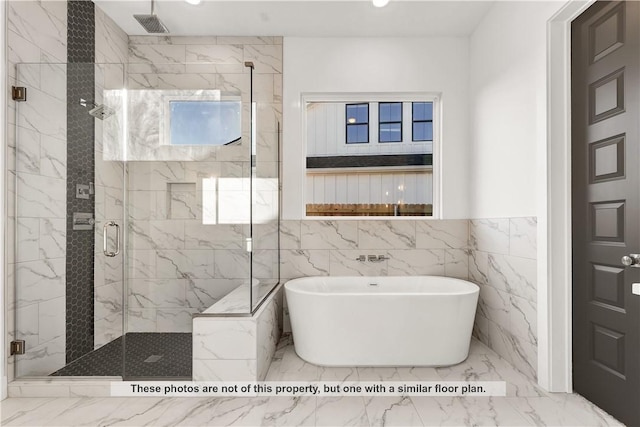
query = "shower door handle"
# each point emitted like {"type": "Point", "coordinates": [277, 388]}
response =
{"type": "Point", "coordinates": [105, 239]}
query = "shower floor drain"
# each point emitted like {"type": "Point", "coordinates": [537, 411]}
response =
{"type": "Point", "coordinates": [153, 359]}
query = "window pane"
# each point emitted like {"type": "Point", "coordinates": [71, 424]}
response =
{"type": "Point", "coordinates": [428, 131]}
{"type": "Point", "coordinates": [363, 113]}
{"type": "Point", "coordinates": [357, 133]}
{"type": "Point", "coordinates": [390, 132]}
{"type": "Point", "coordinates": [363, 133]}
{"type": "Point", "coordinates": [396, 112]}
{"type": "Point", "coordinates": [352, 134]}
{"type": "Point", "coordinates": [423, 131]}
{"type": "Point", "coordinates": [422, 111]}
{"type": "Point", "coordinates": [385, 115]}
{"type": "Point", "coordinates": [418, 131]}
{"type": "Point", "coordinates": [357, 113]}
{"type": "Point", "coordinates": [352, 114]}
{"type": "Point", "coordinates": [204, 122]}
{"type": "Point", "coordinates": [390, 112]}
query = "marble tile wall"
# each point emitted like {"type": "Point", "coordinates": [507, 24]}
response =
{"type": "Point", "coordinates": [111, 49]}
{"type": "Point", "coordinates": [330, 248]}
{"type": "Point", "coordinates": [37, 40]}
{"type": "Point", "coordinates": [503, 263]}
{"type": "Point", "coordinates": [189, 208]}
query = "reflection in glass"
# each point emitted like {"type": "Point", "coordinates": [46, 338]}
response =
{"type": "Point", "coordinates": [205, 122]}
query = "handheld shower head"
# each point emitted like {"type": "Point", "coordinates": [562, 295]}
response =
{"type": "Point", "coordinates": [151, 22]}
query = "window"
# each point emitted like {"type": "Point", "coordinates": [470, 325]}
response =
{"type": "Point", "coordinates": [380, 173]}
{"type": "Point", "coordinates": [390, 122]}
{"type": "Point", "coordinates": [357, 116]}
{"type": "Point", "coordinates": [422, 121]}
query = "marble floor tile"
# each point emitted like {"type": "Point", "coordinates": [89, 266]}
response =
{"type": "Point", "coordinates": [491, 367]}
{"type": "Point", "coordinates": [468, 411]}
{"type": "Point", "coordinates": [525, 405]}
{"type": "Point", "coordinates": [290, 411]}
{"type": "Point", "coordinates": [329, 373]}
{"type": "Point", "coordinates": [167, 412]}
{"type": "Point", "coordinates": [418, 374]}
{"type": "Point", "coordinates": [379, 374]}
{"type": "Point", "coordinates": [293, 368]}
{"type": "Point", "coordinates": [588, 413]}
{"type": "Point", "coordinates": [341, 411]}
{"type": "Point", "coordinates": [239, 412]}
{"type": "Point", "coordinates": [478, 347]}
{"type": "Point", "coordinates": [543, 411]}
{"type": "Point", "coordinates": [29, 411]}
{"type": "Point", "coordinates": [273, 373]}
{"type": "Point", "coordinates": [392, 411]}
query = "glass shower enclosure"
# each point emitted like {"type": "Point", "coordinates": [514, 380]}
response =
{"type": "Point", "coordinates": [135, 206]}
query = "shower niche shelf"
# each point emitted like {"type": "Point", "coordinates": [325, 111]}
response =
{"type": "Point", "coordinates": [182, 200]}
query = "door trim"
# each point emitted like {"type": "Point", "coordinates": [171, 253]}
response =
{"type": "Point", "coordinates": [554, 230]}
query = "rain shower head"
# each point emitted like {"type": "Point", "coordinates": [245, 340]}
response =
{"type": "Point", "coordinates": [151, 22]}
{"type": "Point", "coordinates": [101, 112]}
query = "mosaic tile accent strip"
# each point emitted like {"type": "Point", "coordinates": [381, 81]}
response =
{"type": "Point", "coordinates": [80, 170]}
{"type": "Point", "coordinates": [81, 17]}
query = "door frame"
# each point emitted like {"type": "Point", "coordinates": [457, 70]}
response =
{"type": "Point", "coordinates": [554, 233]}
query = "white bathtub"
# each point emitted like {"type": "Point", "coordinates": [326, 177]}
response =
{"type": "Point", "coordinates": [401, 321]}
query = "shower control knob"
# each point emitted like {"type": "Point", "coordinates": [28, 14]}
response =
{"type": "Point", "coordinates": [631, 260]}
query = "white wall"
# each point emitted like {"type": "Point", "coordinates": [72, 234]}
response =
{"type": "Point", "coordinates": [369, 65]}
{"type": "Point", "coordinates": [508, 108]}
{"type": "Point", "coordinates": [508, 176]}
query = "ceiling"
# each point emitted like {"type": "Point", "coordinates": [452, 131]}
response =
{"type": "Point", "coordinates": [303, 18]}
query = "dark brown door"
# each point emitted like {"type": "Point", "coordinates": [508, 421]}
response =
{"type": "Point", "coordinates": [605, 70]}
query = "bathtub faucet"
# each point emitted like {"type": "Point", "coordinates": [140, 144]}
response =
{"type": "Point", "coordinates": [377, 258]}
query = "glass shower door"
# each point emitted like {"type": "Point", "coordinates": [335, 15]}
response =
{"type": "Point", "coordinates": [66, 211]}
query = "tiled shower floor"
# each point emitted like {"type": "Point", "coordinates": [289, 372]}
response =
{"type": "Point", "coordinates": [525, 404]}
{"type": "Point", "coordinates": [145, 355]}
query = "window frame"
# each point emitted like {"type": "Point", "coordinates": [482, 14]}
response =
{"type": "Point", "coordinates": [413, 121]}
{"type": "Point", "coordinates": [347, 124]}
{"type": "Point", "coordinates": [298, 168]}
{"type": "Point", "coordinates": [380, 122]}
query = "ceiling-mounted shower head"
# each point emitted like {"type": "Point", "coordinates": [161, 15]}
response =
{"type": "Point", "coordinates": [151, 22]}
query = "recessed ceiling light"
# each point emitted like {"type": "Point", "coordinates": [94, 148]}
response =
{"type": "Point", "coordinates": [380, 3]}
{"type": "Point", "coordinates": [194, 2]}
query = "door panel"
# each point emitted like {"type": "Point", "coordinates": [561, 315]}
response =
{"type": "Point", "coordinates": [606, 206]}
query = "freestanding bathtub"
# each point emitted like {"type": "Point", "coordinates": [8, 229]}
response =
{"type": "Point", "coordinates": [382, 321]}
